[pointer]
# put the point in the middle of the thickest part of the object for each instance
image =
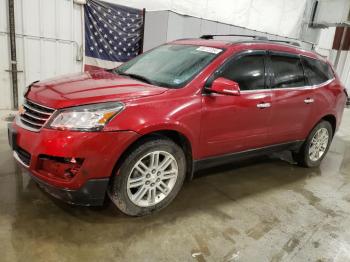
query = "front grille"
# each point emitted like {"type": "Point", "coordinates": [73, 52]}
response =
{"type": "Point", "coordinates": [23, 155]}
{"type": "Point", "coordinates": [34, 116]}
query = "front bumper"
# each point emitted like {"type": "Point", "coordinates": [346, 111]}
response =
{"type": "Point", "coordinates": [92, 193]}
{"type": "Point", "coordinates": [98, 150]}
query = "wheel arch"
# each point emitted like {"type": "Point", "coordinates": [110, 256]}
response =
{"type": "Point", "coordinates": [332, 120]}
{"type": "Point", "coordinates": [174, 135]}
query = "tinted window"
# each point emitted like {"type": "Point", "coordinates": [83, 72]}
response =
{"type": "Point", "coordinates": [316, 71]}
{"type": "Point", "coordinates": [288, 71]}
{"type": "Point", "coordinates": [247, 71]}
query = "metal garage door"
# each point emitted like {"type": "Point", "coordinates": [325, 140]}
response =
{"type": "Point", "coordinates": [48, 37]}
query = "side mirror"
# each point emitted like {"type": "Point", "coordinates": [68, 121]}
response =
{"type": "Point", "coordinates": [225, 86]}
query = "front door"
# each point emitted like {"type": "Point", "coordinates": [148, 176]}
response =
{"type": "Point", "coordinates": [237, 123]}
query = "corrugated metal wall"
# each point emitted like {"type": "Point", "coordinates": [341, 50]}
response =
{"type": "Point", "coordinates": [283, 17]}
{"type": "Point", "coordinates": [49, 39]}
{"type": "Point", "coordinates": [164, 26]}
{"type": "Point", "coordinates": [4, 58]}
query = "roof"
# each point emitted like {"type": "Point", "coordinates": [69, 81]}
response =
{"type": "Point", "coordinates": [254, 44]}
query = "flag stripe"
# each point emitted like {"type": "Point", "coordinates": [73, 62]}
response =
{"type": "Point", "coordinates": [101, 63]}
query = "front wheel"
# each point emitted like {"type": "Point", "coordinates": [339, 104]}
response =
{"type": "Point", "coordinates": [316, 145]}
{"type": "Point", "coordinates": [149, 178]}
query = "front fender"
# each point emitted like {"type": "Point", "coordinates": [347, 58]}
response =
{"type": "Point", "coordinates": [180, 114]}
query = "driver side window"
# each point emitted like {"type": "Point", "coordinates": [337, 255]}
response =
{"type": "Point", "coordinates": [248, 71]}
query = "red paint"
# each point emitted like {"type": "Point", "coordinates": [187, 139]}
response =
{"type": "Point", "coordinates": [89, 87]}
{"type": "Point", "coordinates": [91, 68]}
{"type": "Point", "coordinates": [98, 149]}
{"type": "Point", "coordinates": [225, 87]}
{"type": "Point", "coordinates": [214, 124]}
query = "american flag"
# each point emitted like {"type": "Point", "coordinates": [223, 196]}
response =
{"type": "Point", "coordinates": [113, 34]}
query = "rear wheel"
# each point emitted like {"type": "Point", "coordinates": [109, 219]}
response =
{"type": "Point", "coordinates": [149, 178]}
{"type": "Point", "coordinates": [316, 145]}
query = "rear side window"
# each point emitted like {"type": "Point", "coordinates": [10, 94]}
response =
{"type": "Point", "coordinates": [248, 71]}
{"type": "Point", "coordinates": [288, 71]}
{"type": "Point", "coordinates": [316, 71]}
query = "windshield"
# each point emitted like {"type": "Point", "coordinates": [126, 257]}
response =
{"type": "Point", "coordinates": [169, 65]}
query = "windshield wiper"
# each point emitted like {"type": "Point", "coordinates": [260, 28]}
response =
{"type": "Point", "coordinates": [138, 77]}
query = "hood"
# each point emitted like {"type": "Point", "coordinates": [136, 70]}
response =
{"type": "Point", "coordinates": [88, 88]}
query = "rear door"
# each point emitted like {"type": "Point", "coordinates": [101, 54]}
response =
{"type": "Point", "coordinates": [236, 123]}
{"type": "Point", "coordinates": [291, 98]}
{"type": "Point", "coordinates": [320, 77]}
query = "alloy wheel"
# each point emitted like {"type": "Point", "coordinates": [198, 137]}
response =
{"type": "Point", "coordinates": [318, 144]}
{"type": "Point", "coordinates": [152, 178]}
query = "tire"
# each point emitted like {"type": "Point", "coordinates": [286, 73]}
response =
{"type": "Point", "coordinates": [307, 156]}
{"type": "Point", "coordinates": [132, 179]}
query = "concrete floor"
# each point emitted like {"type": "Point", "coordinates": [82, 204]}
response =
{"type": "Point", "coordinates": [265, 209]}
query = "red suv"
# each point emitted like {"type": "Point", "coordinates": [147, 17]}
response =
{"type": "Point", "coordinates": [136, 132]}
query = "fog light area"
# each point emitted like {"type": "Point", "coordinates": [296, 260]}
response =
{"type": "Point", "coordinates": [59, 167]}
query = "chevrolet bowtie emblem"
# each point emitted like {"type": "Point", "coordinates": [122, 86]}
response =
{"type": "Point", "coordinates": [21, 110]}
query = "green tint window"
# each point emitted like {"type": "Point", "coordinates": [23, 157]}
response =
{"type": "Point", "coordinates": [169, 65]}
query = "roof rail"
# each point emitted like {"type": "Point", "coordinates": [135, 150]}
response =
{"type": "Point", "coordinates": [285, 41]}
{"type": "Point", "coordinates": [255, 37]}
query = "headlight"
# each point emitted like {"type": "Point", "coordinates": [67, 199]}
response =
{"type": "Point", "coordinates": [86, 118]}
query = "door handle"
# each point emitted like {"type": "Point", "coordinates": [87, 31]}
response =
{"type": "Point", "coordinates": [309, 100]}
{"type": "Point", "coordinates": [263, 105]}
